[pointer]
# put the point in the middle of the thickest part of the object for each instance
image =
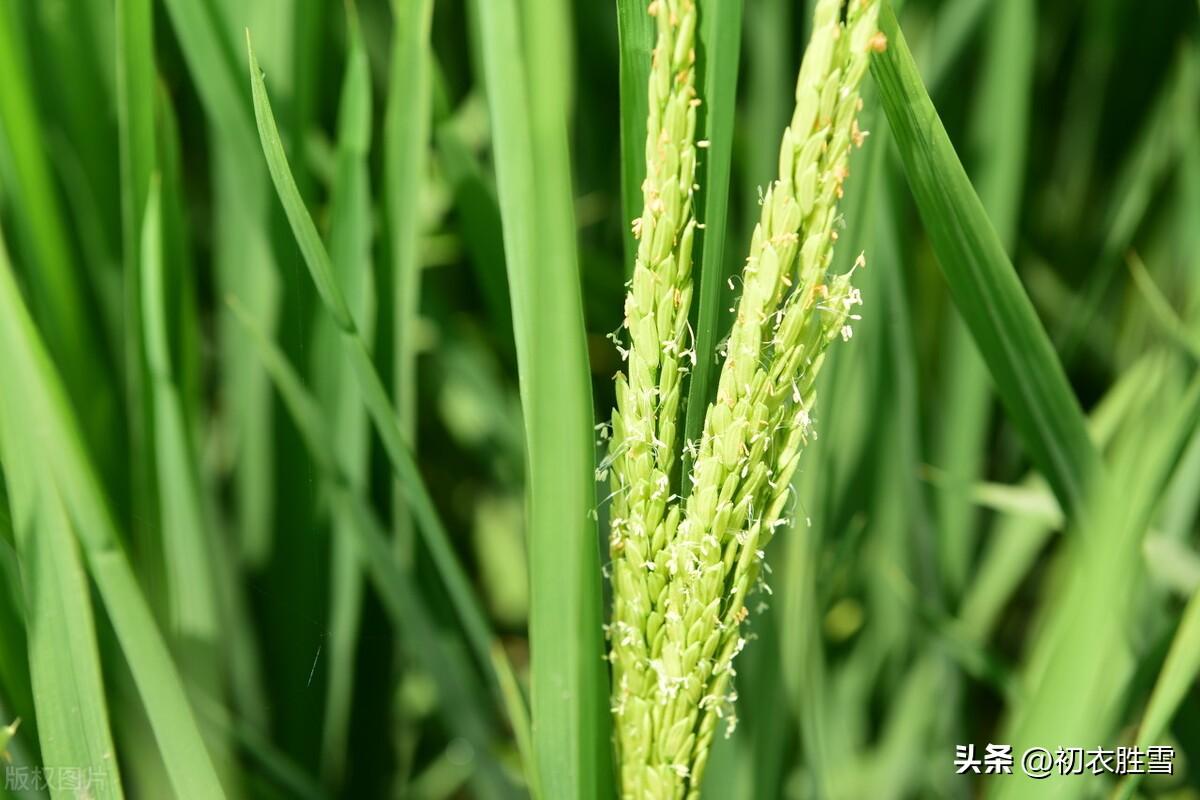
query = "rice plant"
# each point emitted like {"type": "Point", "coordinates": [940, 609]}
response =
{"type": "Point", "coordinates": [484, 398]}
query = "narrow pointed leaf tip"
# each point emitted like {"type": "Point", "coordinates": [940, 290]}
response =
{"type": "Point", "coordinates": [315, 255]}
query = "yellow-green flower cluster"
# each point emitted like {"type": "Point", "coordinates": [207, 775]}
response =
{"type": "Point", "coordinates": [681, 570]}
{"type": "Point", "coordinates": [656, 314]}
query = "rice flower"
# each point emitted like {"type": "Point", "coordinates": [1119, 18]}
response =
{"type": "Point", "coordinates": [682, 569]}
{"type": "Point", "coordinates": [656, 314]}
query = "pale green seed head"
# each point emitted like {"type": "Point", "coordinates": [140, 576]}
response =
{"type": "Point", "coordinates": [682, 572]}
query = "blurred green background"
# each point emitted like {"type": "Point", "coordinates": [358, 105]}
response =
{"type": "Point", "coordinates": [912, 600]}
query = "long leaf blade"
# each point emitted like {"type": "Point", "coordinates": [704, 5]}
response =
{"type": "Point", "coordinates": [986, 289]}
{"type": "Point", "coordinates": [392, 577]}
{"type": "Point", "coordinates": [1176, 679]}
{"type": "Point", "coordinates": [526, 98]}
{"type": "Point", "coordinates": [64, 659]}
{"type": "Point", "coordinates": [721, 35]}
{"type": "Point", "coordinates": [375, 397]}
{"type": "Point", "coordinates": [60, 454]}
{"type": "Point", "coordinates": [635, 37]}
{"type": "Point", "coordinates": [191, 595]}
{"type": "Point", "coordinates": [59, 290]}
{"type": "Point", "coordinates": [407, 129]}
{"type": "Point", "coordinates": [350, 249]}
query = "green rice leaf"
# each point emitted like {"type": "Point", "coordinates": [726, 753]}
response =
{"type": "Point", "coordinates": [350, 250]}
{"type": "Point", "coordinates": [68, 692]}
{"type": "Point", "coordinates": [524, 67]}
{"type": "Point", "coordinates": [64, 660]}
{"type": "Point", "coordinates": [1176, 679]}
{"type": "Point", "coordinates": [460, 697]}
{"type": "Point", "coordinates": [1000, 128]}
{"type": "Point", "coordinates": [986, 289]}
{"type": "Point", "coordinates": [246, 268]}
{"type": "Point", "coordinates": [315, 255]}
{"type": "Point", "coordinates": [635, 37]}
{"type": "Point", "coordinates": [773, 41]}
{"type": "Point", "coordinates": [192, 604]}
{"type": "Point", "coordinates": [518, 716]}
{"type": "Point", "coordinates": [1082, 651]}
{"type": "Point", "coordinates": [137, 148]}
{"type": "Point", "coordinates": [1158, 147]}
{"type": "Point", "coordinates": [213, 68]}
{"type": "Point", "coordinates": [55, 452]}
{"type": "Point", "coordinates": [15, 689]}
{"type": "Point", "coordinates": [262, 751]}
{"type": "Point", "coordinates": [374, 395]}
{"type": "Point", "coordinates": [721, 36]}
{"type": "Point", "coordinates": [245, 262]}
{"type": "Point", "coordinates": [57, 286]}
{"type": "Point", "coordinates": [203, 598]}
{"type": "Point", "coordinates": [1162, 314]}
{"type": "Point", "coordinates": [136, 77]}
{"type": "Point", "coordinates": [407, 131]}
{"type": "Point", "coordinates": [1015, 540]}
